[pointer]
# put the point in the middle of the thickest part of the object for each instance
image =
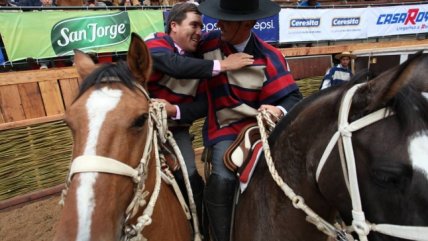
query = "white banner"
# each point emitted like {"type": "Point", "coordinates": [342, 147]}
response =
{"type": "Point", "coordinates": [397, 20]}
{"type": "Point", "coordinates": [300, 25]}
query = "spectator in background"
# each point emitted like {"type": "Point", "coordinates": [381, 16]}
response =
{"type": "Point", "coordinates": [47, 3]}
{"type": "Point", "coordinates": [126, 3]}
{"type": "Point", "coordinates": [29, 3]}
{"type": "Point", "coordinates": [309, 3]}
{"type": "Point", "coordinates": [339, 73]}
{"type": "Point", "coordinates": [94, 3]}
{"type": "Point", "coordinates": [1, 57]}
{"type": "Point", "coordinates": [6, 3]}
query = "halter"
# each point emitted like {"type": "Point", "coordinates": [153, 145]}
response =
{"type": "Point", "coordinates": [359, 224]}
{"type": "Point", "coordinates": [157, 127]}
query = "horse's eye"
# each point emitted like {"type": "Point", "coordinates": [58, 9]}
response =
{"type": "Point", "coordinates": [140, 121]}
{"type": "Point", "coordinates": [386, 179]}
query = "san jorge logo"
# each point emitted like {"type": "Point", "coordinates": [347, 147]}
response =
{"type": "Point", "coordinates": [90, 32]}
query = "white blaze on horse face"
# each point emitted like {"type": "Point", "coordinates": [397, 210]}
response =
{"type": "Point", "coordinates": [418, 150]}
{"type": "Point", "coordinates": [99, 103]}
{"type": "Point", "coordinates": [425, 94]}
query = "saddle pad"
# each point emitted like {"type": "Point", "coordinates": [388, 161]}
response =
{"type": "Point", "coordinates": [239, 152]}
{"type": "Point", "coordinates": [247, 172]}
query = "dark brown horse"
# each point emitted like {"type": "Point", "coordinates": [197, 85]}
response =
{"type": "Point", "coordinates": [387, 183]}
{"type": "Point", "coordinates": [114, 170]}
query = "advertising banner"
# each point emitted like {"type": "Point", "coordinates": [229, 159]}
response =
{"type": "Point", "coordinates": [266, 28]}
{"type": "Point", "coordinates": [46, 34]}
{"type": "Point", "coordinates": [397, 20]}
{"type": "Point", "coordinates": [297, 25]}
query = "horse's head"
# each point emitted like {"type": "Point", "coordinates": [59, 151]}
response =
{"type": "Point", "coordinates": [108, 120]}
{"type": "Point", "coordinates": [390, 148]}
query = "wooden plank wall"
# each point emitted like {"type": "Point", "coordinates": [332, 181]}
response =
{"type": "Point", "coordinates": [36, 94]}
{"type": "Point", "coordinates": [309, 66]}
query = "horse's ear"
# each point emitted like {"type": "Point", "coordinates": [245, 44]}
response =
{"type": "Point", "coordinates": [139, 60]}
{"type": "Point", "coordinates": [387, 85]}
{"type": "Point", "coordinates": [83, 63]}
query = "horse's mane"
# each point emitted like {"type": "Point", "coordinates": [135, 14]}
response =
{"type": "Point", "coordinates": [119, 70]}
{"type": "Point", "coordinates": [409, 104]}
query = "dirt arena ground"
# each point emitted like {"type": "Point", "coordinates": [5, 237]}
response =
{"type": "Point", "coordinates": [36, 221]}
{"type": "Point", "coordinates": [31, 222]}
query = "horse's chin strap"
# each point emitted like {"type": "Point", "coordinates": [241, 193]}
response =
{"type": "Point", "coordinates": [359, 223]}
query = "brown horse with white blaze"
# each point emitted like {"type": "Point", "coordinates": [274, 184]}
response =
{"type": "Point", "coordinates": [110, 123]}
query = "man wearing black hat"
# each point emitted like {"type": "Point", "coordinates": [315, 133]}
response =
{"type": "Point", "coordinates": [235, 97]}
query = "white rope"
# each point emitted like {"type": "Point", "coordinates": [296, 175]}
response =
{"type": "Point", "coordinates": [297, 201]}
{"type": "Point", "coordinates": [171, 141]}
{"type": "Point", "coordinates": [170, 180]}
{"type": "Point", "coordinates": [159, 117]}
{"type": "Point", "coordinates": [146, 218]}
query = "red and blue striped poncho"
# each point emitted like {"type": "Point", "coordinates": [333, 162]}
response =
{"type": "Point", "coordinates": [235, 96]}
{"type": "Point", "coordinates": [163, 86]}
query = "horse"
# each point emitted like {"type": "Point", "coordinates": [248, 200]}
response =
{"type": "Point", "coordinates": [330, 166]}
{"type": "Point", "coordinates": [113, 172]}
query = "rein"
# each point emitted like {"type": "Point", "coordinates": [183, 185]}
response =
{"type": "Point", "coordinates": [359, 224]}
{"type": "Point", "coordinates": [157, 127]}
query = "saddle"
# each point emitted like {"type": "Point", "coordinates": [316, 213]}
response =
{"type": "Point", "coordinates": [243, 153]}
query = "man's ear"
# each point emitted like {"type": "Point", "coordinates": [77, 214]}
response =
{"type": "Point", "coordinates": [173, 26]}
{"type": "Point", "coordinates": [250, 24]}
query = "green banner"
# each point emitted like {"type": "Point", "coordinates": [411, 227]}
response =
{"type": "Point", "coordinates": [49, 34]}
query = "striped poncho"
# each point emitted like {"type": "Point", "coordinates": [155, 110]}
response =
{"type": "Point", "coordinates": [235, 96]}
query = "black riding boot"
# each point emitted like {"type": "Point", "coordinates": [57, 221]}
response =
{"type": "Point", "coordinates": [197, 184]}
{"type": "Point", "coordinates": [218, 198]}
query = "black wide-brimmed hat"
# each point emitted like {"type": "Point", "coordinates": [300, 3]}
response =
{"type": "Point", "coordinates": [239, 10]}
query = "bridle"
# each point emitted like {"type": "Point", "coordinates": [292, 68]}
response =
{"type": "Point", "coordinates": [157, 128]}
{"type": "Point", "coordinates": [343, 137]}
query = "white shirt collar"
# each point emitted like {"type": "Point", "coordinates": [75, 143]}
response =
{"type": "Point", "coordinates": [240, 47]}
{"type": "Point", "coordinates": [179, 49]}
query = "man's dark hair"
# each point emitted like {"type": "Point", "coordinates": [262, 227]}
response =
{"type": "Point", "coordinates": [178, 14]}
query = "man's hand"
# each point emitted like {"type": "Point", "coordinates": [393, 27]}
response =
{"type": "Point", "coordinates": [275, 111]}
{"type": "Point", "coordinates": [236, 61]}
{"type": "Point", "coordinates": [171, 110]}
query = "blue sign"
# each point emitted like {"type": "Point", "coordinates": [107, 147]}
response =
{"type": "Point", "coordinates": [265, 28]}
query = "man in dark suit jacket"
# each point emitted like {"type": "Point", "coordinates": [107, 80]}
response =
{"type": "Point", "coordinates": [176, 80]}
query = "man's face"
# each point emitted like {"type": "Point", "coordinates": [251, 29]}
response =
{"type": "Point", "coordinates": [46, 2]}
{"type": "Point", "coordinates": [235, 32]}
{"type": "Point", "coordinates": [344, 61]}
{"type": "Point", "coordinates": [188, 33]}
{"type": "Point", "coordinates": [312, 2]}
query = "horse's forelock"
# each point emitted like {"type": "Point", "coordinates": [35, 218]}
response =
{"type": "Point", "coordinates": [119, 70]}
